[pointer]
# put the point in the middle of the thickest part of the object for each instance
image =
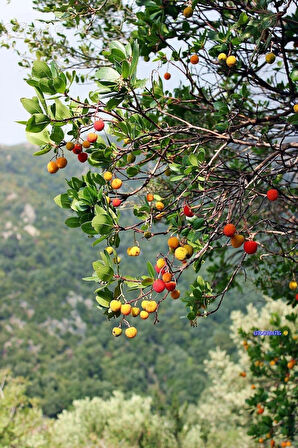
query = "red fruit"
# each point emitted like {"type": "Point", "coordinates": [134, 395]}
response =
{"type": "Point", "coordinates": [159, 285]}
{"type": "Point", "coordinates": [77, 148]}
{"type": "Point", "coordinates": [116, 202]}
{"type": "Point", "coordinates": [83, 156]}
{"type": "Point", "coordinates": [229, 230]}
{"type": "Point", "coordinates": [158, 270]}
{"type": "Point", "coordinates": [188, 211]}
{"type": "Point", "coordinates": [99, 125]}
{"type": "Point", "coordinates": [250, 247]}
{"type": "Point", "coordinates": [272, 194]}
{"type": "Point", "coordinates": [170, 286]}
{"type": "Point", "coordinates": [296, 296]}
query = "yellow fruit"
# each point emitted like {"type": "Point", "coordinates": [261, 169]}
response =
{"type": "Point", "coordinates": [126, 309]}
{"type": "Point", "coordinates": [61, 162]}
{"type": "Point", "coordinates": [159, 205]}
{"type": "Point", "coordinates": [117, 260]}
{"type": "Point", "coordinates": [144, 304]}
{"type": "Point", "coordinates": [107, 176]}
{"type": "Point", "coordinates": [134, 251]}
{"type": "Point", "coordinates": [126, 141]}
{"type": "Point", "coordinates": [52, 167]}
{"type": "Point", "coordinates": [144, 315]}
{"type": "Point", "coordinates": [69, 146]}
{"type": "Point", "coordinates": [272, 363]}
{"type": "Point", "coordinates": [108, 199]}
{"type": "Point", "coordinates": [109, 250]}
{"type": "Point", "coordinates": [128, 250]}
{"type": "Point", "coordinates": [188, 12]}
{"type": "Point", "coordinates": [295, 108]}
{"type": "Point", "coordinates": [160, 263]}
{"type": "Point", "coordinates": [131, 332]}
{"type": "Point", "coordinates": [189, 249]}
{"type": "Point", "coordinates": [175, 294]}
{"type": "Point", "coordinates": [231, 61]}
{"type": "Point", "coordinates": [135, 311]}
{"type": "Point", "coordinates": [173, 242]}
{"type": "Point", "coordinates": [270, 58]}
{"type": "Point", "coordinates": [222, 57]}
{"type": "Point", "coordinates": [116, 184]}
{"type": "Point", "coordinates": [293, 285]}
{"type": "Point", "coordinates": [159, 216]}
{"type": "Point", "coordinates": [237, 240]}
{"type": "Point", "coordinates": [116, 331]}
{"type": "Point", "coordinates": [86, 144]}
{"type": "Point", "coordinates": [180, 253]}
{"type": "Point", "coordinates": [115, 305]}
{"type": "Point", "coordinates": [151, 307]}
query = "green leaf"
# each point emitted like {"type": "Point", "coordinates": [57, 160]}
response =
{"type": "Point", "coordinates": [63, 201]}
{"type": "Point", "coordinates": [147, 281]}
{"type": "Point", "coordinates": [119, 46]}
{"type": "Point", "coordinates": [193, 160]}
{"type": "Point", "coordinates": [57, 134]}
{"type": "Point", "coordinates": [41, 70]}
{"type": "Point", "coordinates": [105, 273]}
{"type": "Point", "coordinates": [39, 138]}
{"type": "Point", "coordinates": [73, 222]}
{"type": "Point", "coordinates": [107, 74]}
{"type": "Point", "coordinates": [62, 111]}
{"type": "Point", "coordinates": [60, 83]}
{"type": "Point", "coordinates": [31, 105]}
{"type": "Point", "coordinates": [88, 228]}
{"type": "Point", "coordinates": [102, 224]}
{"type": "Point", "coordinates": [37, 123]}
{"type": "Point", "coordinates": [125, 69]}
{"type": "Point", "coordinates": [150, 269]}
{"type": "Point", "coordinates": [135, 58]}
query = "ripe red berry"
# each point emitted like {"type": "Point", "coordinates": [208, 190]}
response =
{"type": "Point", "coordinates": [272, 194]}
{"type": "Point", "coordinates": [250, 247]}
{"type": "Point", "coordinates": [229, 230]}
{"type": "Point", "coordinates": [167, 75]}
{"type": "Point", "coordinates": [158, 270]}
{"type": "Point", "coordinates": [116, 202]}
{"type": "Point", "coordinates": [188, 211]}
{"type": "Point", "coordinates": [171, 286]}
{"type": "Point", "coordinates": [99, 125]}
{"type": "Point", "coordinates": [296, 296]}
{"type": "Point", "coordinates": [159, 285]}
{"type": "Point", "coordinates": [82, 157]}
{"type": "Point", "coordinates": [77, 148]}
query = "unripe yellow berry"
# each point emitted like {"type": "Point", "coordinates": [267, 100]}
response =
{"type": "Point", "coordinates": [131, 332]}
{"type": "Point", "coordinates": [109, 250]}
{"type": "Point", "coordinates": [115, 305]}
{"type": "Point", "coordinates": [144, 304]}
{"type": "Point", "coordinates": [231, 61]}
{"type": "Point", "coordinates": [151, 307]}
{"type": "Point", "coordinates": [126, 309]}
{"type": "Point", "coordinates": [188, 12]}
{"type": "Point", "coordinates": [293, 285]}
{"type": "Point", "coordinates": [144, 315]}
{"type": "Point", "coordinates": [189, 249]}
{"type": "Point", "coordinates": [295, 108]}
{"type": "Point", "coordinates": [135, 311]}
{"type": "Point", "coordinates": [180, 253]}
{"type": "Point", "coordinates": [116, 331]}
{"type": "Point", "coordinates": [159, 205]}
{"type": "Point", "coordinates": [116, 183]}
{"type": "Point", "coordinates": [160, 263]}
{"type": "Point", "coordinates": [270, 58]}
{"type": "Point", "coordinates": [107, 176]}
{"type": "Point", "coordinates": [134, 251]}
{"type": "Point", "coordinates": [222, 57]}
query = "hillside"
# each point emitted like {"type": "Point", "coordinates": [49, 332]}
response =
{"type": "Point", "coordinates": [51, 330]}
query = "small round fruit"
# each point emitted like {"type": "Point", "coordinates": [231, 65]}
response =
{"type": "Point", "coordinates": [180, 253]}
{"type": "Point", "coordinates": [252, 386]}
{"type": "Point", "coordinates": [151, 307]}
{"type": "Point", "coordinates": [150, 197]}
{"type": "Point", "coordinates": [77, 148]}
{"type": "Point", "coordinates": [61, 162]}
{"type": "Point", "coordinates": [293, 285]}
{"type": "Point", "coordinates": [126, 141]}
{"type": "Point", "coordinates": [243, 374]}
{"type": "Point", "coordinates": [194, 59]}
{"type": "Point", "coordinates": [86, 144]}
{"type": "Point", "coordinates": [229, 230]}
{"type": "Point", "coordinates": [175, 294]}
{"type": "Point", "coordinates": [116, 184]}
{"type": "Point", "coordinates": [237, 241]}
{"type": "Point", "coordinates": [109, 250]}
{"type": "Point", "coordinates": [128, 250]}
{"type": "Point", "coordinates": [167, 76]}
{"type": "Point", "coordinates": [291, 363]}
{"type": "Point", "coordinates": [131, 332]}
{"type": "Point", "coordinates": [144, 314]}
{"type": "Point", "coordinates": [222, 57]}
{"type": "Point", "coordinates": [272, 362]}
{"type": "Point", "coordinates": [295, 108]}
{"type": "Point", "coordinates": [188, 12]}
{"type": "Point", "coordinates": [159, 286]}
{"type": "Point", "coordinates": [261, 440]}
{"type": "Point", "coordinates": [147, 235]}
{"type": "Point", "coordinates": [170, 286]}
{"type": "Point", "coordinates": [99, 125]}
{"type": "Point", "coordinates": [52, 167]}
{"type": "Point", "coordinates": [144, 304]}
{"type": "Point", "coordinates": [116, 202]}
{"type": "Point", "coordinates": [231, 61]}
{"type": "Point", "coordinates": [270, 58]}
{"type": "Point", "coordinates": [82, 157]}
{"type": "Point", "coordinates": [135, 251]}
{"type": "Point", "coordinates": [125, 309]}
{"type": "Point", "coordinates": [260, 410]}
{"type": "Point", "coordinates": [159, 205]}
{"type": "Point", "coordinates": [289, 443]}
{"type": "Point", "coordinates": [173, 242]}
{"type": "Point", "coordinates": [189, 249]}
{"type": "Point", "coordinates": [69, 146]}
{"type": "Point", "coordinates": [188, 211]}
{"type": "Point", "coordinates": [167, 277]}
{"type": "Point", "coordinates": [272, 194]}
{"type": "Point", "coordinates": [160, 263]}
{"type": "Point", "coordinates": [135, 311]}
{"type": "Point", "coordinates": [115, 305]}
{"type": "Point", "coordinates": [250, 247]}
{"type": "Point", "coordinates": [107, 176]}
{"type": "Point", "coordinates": [92, 137]}
{"type": "Point", "coordinates": [116, 331]}
{"type": "Point", "coordinates": [168, 171]}
{"type": "Point", "coordinates": [131, 158]}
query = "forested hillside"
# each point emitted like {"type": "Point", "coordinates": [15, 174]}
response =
{"type": "Point", "coordinates": [51, 330]}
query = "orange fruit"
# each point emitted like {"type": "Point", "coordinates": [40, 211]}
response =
{"type": "Point", "coordinates": [194, 59]}
{"type": "Point", "coordinates": [159, 205]}
{"type": "Point", "coordinates": [144, 315]}
{"type": "Point", "coordinates": [151, 306]}
{"type": "Point", "coordinates": [125, 309]}
{"type": "Point", "coordinates": [131, 332]}
{"type": "Point", "coordinates": [52, 167]}
{"type": "Point", "coordinates": [188, 12]}
{"type": "Point", "coordinates": [150, 197]}
{"type": "Point", "coordinates": [237, 240]}
{"type": "Point", "coordinates": [167, 277]}
{"type": "Point", "coordinates": [69, 146]}
{"type": "Point", "coordinates": [229, 230]}
{"type": "Point", "coordinates": [61, 162]}
{"type": "Point", "coordinates": [291, 363]}
{"type": "Point", "coordinates": [175, 294]}
{"type": "Point", "coordinates": [116, 183]}
{"type": "Point", "coordinates": [86, 144]}
{"type": "Point", "coordinates": [167, 75]}
{"type": "Point", "coordinates": [173, 242]}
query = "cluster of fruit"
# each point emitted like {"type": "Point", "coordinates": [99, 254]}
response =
{"type": "Point", "coordinates": [77, 148]}
{"type": "Point", "coordinates": [250, 247]}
